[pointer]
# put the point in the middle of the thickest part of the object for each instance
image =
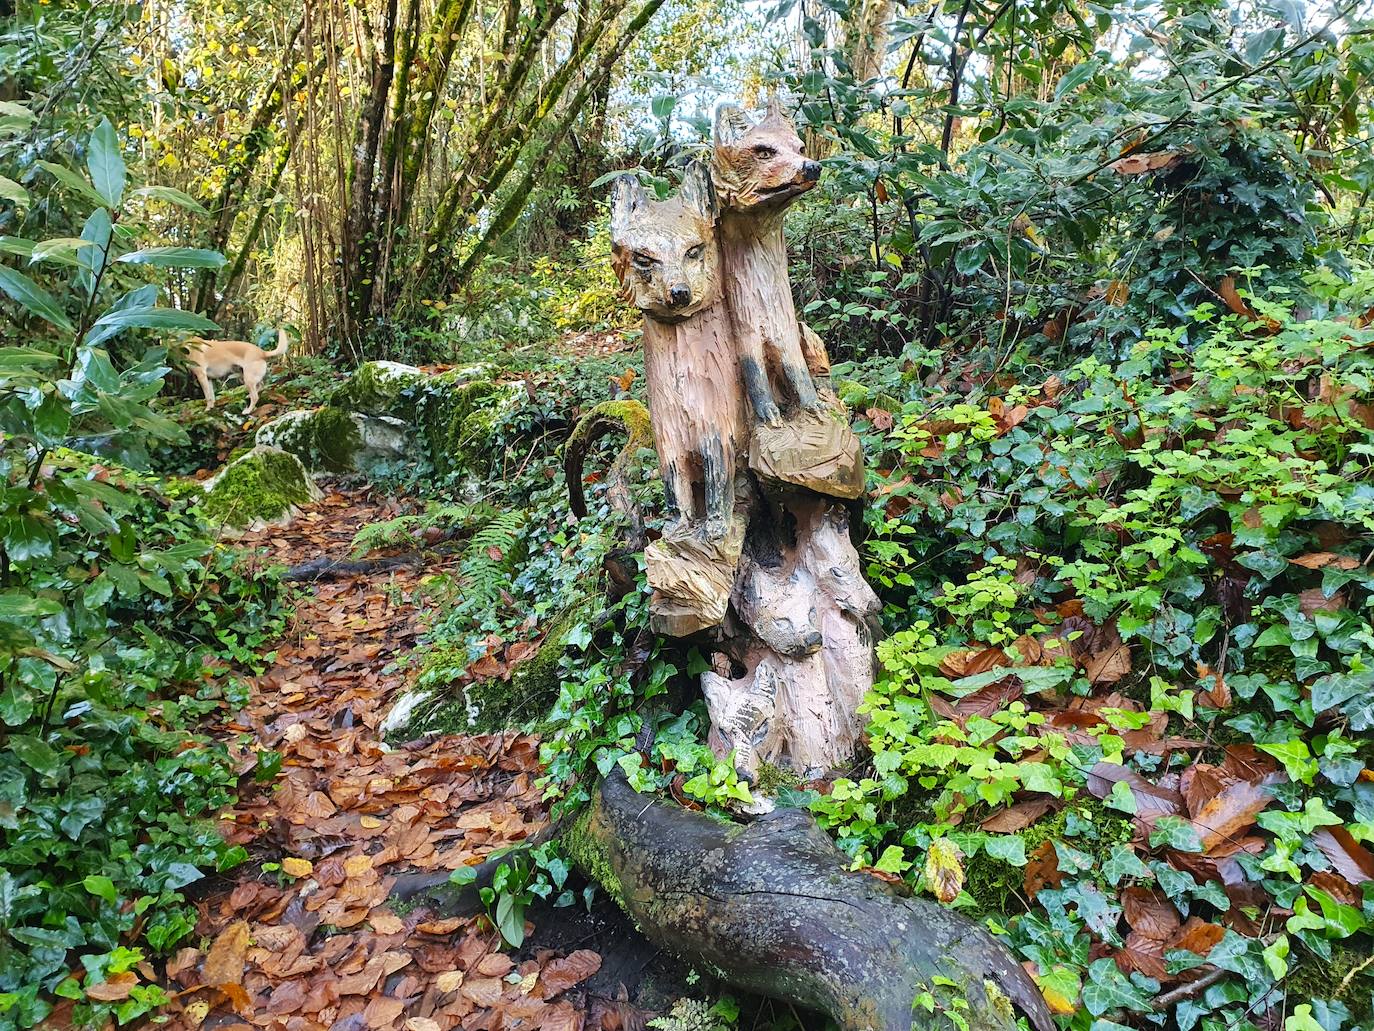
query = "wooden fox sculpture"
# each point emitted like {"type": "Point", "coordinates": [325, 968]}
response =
{"type": "Point", "coordinates": [667, 259]}
{"type": "Point", "coordinates": [759, 171]}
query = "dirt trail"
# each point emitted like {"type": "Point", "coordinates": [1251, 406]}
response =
{"type": "Point", "coordinates": [316, 945]}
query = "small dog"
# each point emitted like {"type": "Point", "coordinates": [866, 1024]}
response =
{"type": "Point", "coordinates": [216, 359]}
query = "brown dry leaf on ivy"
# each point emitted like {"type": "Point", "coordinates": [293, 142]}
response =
{"type": "Point", "coordinates": [1017, 817]}
{"type": "Point", "coordinates": [1042, 869]}
{"type": "Point", "coordinates": [1136, 164]}
{"type": "Point", "coordinates": [1347, 857]}
{"type": "Point", "coordinates": [1322, 559]}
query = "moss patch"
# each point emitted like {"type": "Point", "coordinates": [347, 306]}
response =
{"type": "Point", "coordinates": [1347, 978]}
{"type": "Point", "coordinates": [996, 885]}
{"type": "Point", "coordinates": [460, 421]}
{"type": "Point", "coordinates": [631, 414]}
{"type": "Point", "coordinates": [337, 438]}
{"type": "Point", "coordinates": [587, 852]}
{"type": "Point", "coordinates": [264, 485]}
{"type": "Point", "coordinates": [382, 388]}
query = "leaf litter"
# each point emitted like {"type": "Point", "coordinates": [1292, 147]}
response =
{"type": "Point", "coordinates": [313, 943]}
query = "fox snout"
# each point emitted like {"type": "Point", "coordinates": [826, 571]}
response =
{"type": "Point", "coordinates": [680, 295]}
{"type": "Point", "coordinates": [811, 171]}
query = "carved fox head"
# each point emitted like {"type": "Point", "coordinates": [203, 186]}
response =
{"type": "Point", "coordinates": [760, 164]}
{"type": "Point", "coordinates": [664, 252]}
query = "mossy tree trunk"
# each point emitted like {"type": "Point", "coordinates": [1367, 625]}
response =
{"type": "Point", "coordinates": [773, 908]}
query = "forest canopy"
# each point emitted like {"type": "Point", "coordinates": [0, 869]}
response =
{"type": "Point", "coordinates": [307, 709]}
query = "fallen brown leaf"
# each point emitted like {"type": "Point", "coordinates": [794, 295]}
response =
{"type": "Point", "coordinates": [224, 963]}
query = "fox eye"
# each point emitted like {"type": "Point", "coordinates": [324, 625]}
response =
{"type": "Point", "coordinates": [695, 252]}
{"type": "Point", "coordinates": [643, 260]}
{"type": "Point", "coordinates": [763, 151]}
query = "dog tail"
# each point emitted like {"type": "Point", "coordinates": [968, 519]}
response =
{"type": "Point", "coordinates": [283, 343]}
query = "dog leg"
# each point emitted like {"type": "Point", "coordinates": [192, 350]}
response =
{"type": "Point", "coordinates": [252, 377]}
{"type": "Point", "coordinates": [206, 387]}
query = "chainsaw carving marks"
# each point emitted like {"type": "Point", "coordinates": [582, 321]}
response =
{"type": "Point", "coordinates": [667, 258]}
{"type": "Point", "coordinates": [760, 567]}
{"type": "Point", "coordinates": [760, 170]}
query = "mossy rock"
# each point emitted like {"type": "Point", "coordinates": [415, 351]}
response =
{"type": "Point", "coordinates": [262, 487]}
{"type": "Point", "coordinates": [460, 420]}
{"type": "Point", "coordinates": [325, 440]}
{"type": "Point", "coordinates": [439, 705]}
{"type": "Point", "coordinates": [382, 388]}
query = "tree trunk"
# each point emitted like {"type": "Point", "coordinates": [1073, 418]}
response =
{"type": "Point", "coordinates": [361, 230]}
{"type": "Point", "coordinates": [773, 908]}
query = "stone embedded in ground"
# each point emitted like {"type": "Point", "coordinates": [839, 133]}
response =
{"type": "Point", "coordinates": [387, 415]}
{"type": "Point", "coordinates": [692, 577]}
{"type": "Point", "coordinates": [260, 488]}
{"type": "Point", "coordinates": [813, 450]}
{"type": "Point", "coordinates": [332, 440]}
{"type": "Point", "coordinates": [459, 417]}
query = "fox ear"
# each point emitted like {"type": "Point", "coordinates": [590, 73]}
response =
{"type": "Point", "coordinates": [627, 197]}
{"type": "Point", "coordinates": [697, 192]}
{"type": "Point", "coordinates": [775, 107]}
{"type": "Point", "coordinates": [731, 124]}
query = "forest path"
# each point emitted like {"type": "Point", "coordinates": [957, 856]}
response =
{"type": "Point", "coordinates": [315, 944]}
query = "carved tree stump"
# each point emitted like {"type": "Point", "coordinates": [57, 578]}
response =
{"type": "Point", "coordinates": [757, 457]}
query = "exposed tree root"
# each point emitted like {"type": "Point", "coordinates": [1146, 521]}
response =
{"type": "Point", "coordinates": [333, 569]}
{"type": "Point", "coordinates": [771, 907]}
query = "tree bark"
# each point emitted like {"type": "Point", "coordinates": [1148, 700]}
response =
{"type": "Point", "coordinates": [361, 230]}
{"type": "Point", "coordinates": [773, 908]}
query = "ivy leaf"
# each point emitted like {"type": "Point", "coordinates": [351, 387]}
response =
{"type": "Point", "coordinates": [1010, 848]}
{"type": "Point", "coordinates": [1337, 689]}
{"type": "Point", "coordinates": [1121, 863]}
{"type": "Point", "coordinates": [1108, 989]}
{"type": "Point", "coordinates": [1175, 832]}
{"type": "Point", "coordinates": [102, 887]}
{"type": "Point", "coordinates": [35, 753]}
{"type": "Point", "coordinates": [1122, 798]}
{"type": "Point", "coordinates": [1240, 956]}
